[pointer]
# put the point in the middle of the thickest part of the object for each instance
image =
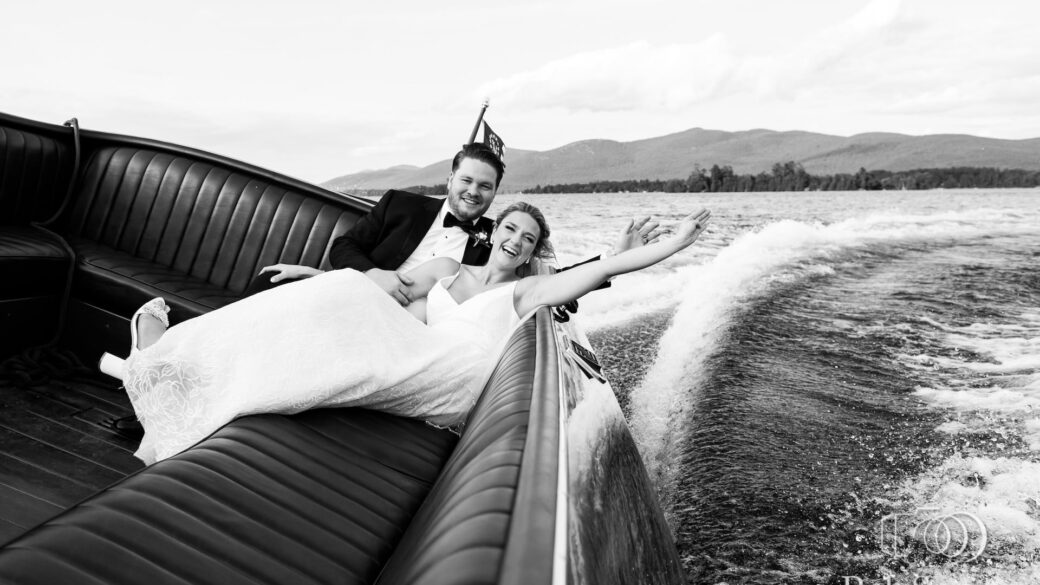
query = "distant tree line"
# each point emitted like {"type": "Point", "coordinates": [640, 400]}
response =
{"type": "Point", "coordinates": [441, 189]}
{"type": "Point", "coordinates": [791, 176]}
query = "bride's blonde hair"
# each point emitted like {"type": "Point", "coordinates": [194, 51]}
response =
{"type": "Point", "coordinates": [543, 253]}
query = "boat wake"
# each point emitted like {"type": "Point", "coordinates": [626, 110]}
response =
{"type": "Point", "coordinates": [755, 265]}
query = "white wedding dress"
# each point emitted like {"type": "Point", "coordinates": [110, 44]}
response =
{"type": "Point", "coordinates": [332, 340]}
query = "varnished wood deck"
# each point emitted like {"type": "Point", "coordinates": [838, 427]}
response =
{"type": "Point", "coordinates": [55, 445]}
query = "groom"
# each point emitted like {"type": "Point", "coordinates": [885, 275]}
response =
{"type": "Point", "coordinates": [404, 230]}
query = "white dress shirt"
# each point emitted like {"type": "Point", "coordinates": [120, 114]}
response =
{"type": "Point", "coordinates": [439, 241]}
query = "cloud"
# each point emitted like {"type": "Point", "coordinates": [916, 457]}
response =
{"type": "Point", "coordinates": [641, 76]}
{"type": "Point", "coordinates": [913, 62]}
{"type": "Point", "coordinates": [630, 77]}
{"type": "Point", "coordinates": [388, 142]}
{"type": "Point", "coordinates": [842, 56]}
{"type": "Point", "coordinates": [913, 67]}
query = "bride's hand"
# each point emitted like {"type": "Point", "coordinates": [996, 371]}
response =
{"type": "Point", "coordinates": [691, 226]}
{"type": "Point", "coordinates": [289, 271]}
{"type": "Point", "coordinates": [639, 232]}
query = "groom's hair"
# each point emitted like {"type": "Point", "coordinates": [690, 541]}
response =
{"type": "Point", "coordinates": [481, 152]}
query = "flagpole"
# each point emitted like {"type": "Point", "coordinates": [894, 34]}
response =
{"type": "Point", "coordinates": [473, 135]}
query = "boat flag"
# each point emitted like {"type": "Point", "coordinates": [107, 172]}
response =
{"type": "Point", "coordinates": [491, 139]}
{"type": "Point", "coordinates": [494, 141]}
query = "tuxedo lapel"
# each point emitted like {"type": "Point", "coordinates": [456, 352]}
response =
{"type": "Point", "coordinates": [422, 218]}
{"type": "Point", "coordinates": [476, 253]}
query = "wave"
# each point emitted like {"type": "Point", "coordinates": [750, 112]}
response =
{"type": "Point", "coordinates": [711, 297]}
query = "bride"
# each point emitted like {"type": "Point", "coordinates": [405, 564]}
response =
{"type": "Point", "coordinates": [337, 339]}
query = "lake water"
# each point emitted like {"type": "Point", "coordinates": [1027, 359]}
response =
{"type": "Point", "coordinates": [831, 384]}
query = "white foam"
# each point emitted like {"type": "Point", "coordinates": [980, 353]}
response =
{"type": "Point", "coordinates": [1006, 382]}
{"type": "Point", "coordinates": [953, 427]}
{"type": "Point", "coordinates": [1011, 354]}
{"type": "Point", "coordinates": [955, 574]}
{"type": "Point", "coordinates": [1031, 433]}
{"type": "Point", "coordinates": [991, 398]}
{"type": "Point", "coordinates": [913, 227]}
{"type": "Point", "coordinates": [631, 296]}
{"type": "Point", "coordinates": [1002, 492]}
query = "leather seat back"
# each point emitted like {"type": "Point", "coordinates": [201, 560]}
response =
{"type": "Point", "coordinates": [213, 222]}
{"type": "Point", "coordinates": [462, 531]}
{"type": "Point", "coordinates": [35, 170]}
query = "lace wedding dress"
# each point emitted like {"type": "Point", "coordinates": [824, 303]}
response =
{"type": "Point", "coordinates": [332, 340]}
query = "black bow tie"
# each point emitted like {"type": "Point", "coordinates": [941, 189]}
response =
{"type": "Point", "coordinates": [451, 221]}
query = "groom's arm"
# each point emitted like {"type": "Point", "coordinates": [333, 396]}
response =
{"type": "Point", "coordinates": [353, 248]}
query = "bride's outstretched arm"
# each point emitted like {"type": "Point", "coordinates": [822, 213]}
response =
{"type": "Point", "coordinates": [559, 288]}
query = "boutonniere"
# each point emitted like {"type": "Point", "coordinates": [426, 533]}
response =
{"type": "Point", "coordinates": [480, 238]}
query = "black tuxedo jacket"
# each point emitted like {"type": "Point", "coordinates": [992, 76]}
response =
{"type": "Point", "coordinates": [392, 230]}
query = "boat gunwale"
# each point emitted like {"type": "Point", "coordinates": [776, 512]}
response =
{"type": "Point", "coordinates": [100, 138]}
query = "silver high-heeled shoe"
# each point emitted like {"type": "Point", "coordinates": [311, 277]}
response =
{"type": "Point", "coordinates": [115, 366]}
{"type": "Point", "coordinates": [156, 308]}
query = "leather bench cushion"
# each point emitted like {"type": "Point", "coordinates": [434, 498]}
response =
{"type": "Point", "coordinates": [120, 283]}
{"type": "Point", "coordinates": [319, 497]}
{"type": "Point", "coordinates": [33, 263]}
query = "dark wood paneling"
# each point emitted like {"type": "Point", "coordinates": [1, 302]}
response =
{"type": "Point", "coordinates": [56, 443]}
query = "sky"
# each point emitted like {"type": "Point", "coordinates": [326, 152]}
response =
{"type": "Point", "coordinates": [318, 89]}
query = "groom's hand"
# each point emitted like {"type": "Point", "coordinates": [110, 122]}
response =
{"type": "Point", "coordinates": [289, 272]}
{"type": "Point", "coordinates": [394, 283]}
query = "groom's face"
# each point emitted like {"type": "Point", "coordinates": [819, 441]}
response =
{"type": "Point", "coordinates": [471, 189]}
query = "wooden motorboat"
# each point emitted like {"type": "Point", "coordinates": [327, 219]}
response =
{"type": "Point", "coordinates": [543, 486]}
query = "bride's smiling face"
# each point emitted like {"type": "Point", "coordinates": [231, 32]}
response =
{"type": "Point", "coordinates": [516, 237]}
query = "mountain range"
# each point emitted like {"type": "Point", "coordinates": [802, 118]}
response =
{"type": "Point", "coordinates": [676, 155]}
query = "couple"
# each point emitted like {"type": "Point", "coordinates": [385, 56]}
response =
{"type": "Point", "coordinates": [404, 230]}
{"type": "Point", "coordinates": [338, 339]}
